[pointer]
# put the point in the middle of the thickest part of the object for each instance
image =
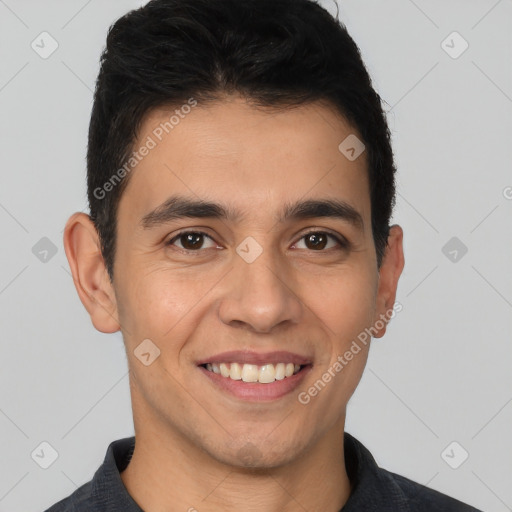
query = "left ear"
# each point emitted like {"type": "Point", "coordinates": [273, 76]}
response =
{"type": "Point", "coordinates": [389, 273]}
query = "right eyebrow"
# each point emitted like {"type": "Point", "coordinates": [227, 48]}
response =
{"type": "Point", "coordinates": [178, 207]}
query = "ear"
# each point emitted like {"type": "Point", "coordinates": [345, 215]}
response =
{"type": "Point", "coordinates": [389, 273]}
{"type": "Point", "coordinates": [82, 246]}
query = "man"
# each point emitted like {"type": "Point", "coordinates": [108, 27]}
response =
{"type": "Point", "coordinates": [241, 184]}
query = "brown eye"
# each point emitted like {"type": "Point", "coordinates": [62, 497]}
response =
{"type": "Point", "coordinates": [316, 241]}
{"type": "Point", "coordinates": [190, 240]}
{"type": "Point", "coordinates": [319, 240]}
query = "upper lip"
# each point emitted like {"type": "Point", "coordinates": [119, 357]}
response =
{"type": "Point", "coordinates": [256, 358]}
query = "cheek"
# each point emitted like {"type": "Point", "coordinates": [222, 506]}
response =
{"type": "Point", "coordinates": [159, 304]}
{"type": "Point", "coordinates": [344, 301]}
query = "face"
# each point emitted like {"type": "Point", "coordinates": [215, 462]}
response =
{"type": "Point", "coordinates": [257, 279]}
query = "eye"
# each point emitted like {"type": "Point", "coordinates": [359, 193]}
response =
{"type": "Point", "coordinates": [191, 240]}
{"type": "Point", "coordinates": [314, 240]}
{"type": "Point", "coordinates": [318, 240]}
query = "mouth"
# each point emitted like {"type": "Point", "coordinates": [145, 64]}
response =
{"type": "Point", "coordinates": [256, 377]}
{"type": "Point", "coordinates": [264, 374]}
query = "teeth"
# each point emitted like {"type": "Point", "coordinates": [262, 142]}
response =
{"type": "Point", "coordinates": [235, 371]}
{"type": "Point", "coordinates": [250, 373]}
{"type": "Point", "coordinates": [224, 370]}
{"type": "Point", "coordinates": [264, 374]}
{"type": "Point", "coordinates": [267, 374]}
{"type": "Point", "coordinates": [280, 371]}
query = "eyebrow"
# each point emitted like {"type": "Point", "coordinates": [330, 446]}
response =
{"type": "Point", "coordinates": [179, 207]}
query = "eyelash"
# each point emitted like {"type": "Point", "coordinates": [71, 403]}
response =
{"type": "Point", "coordinates": [343, 243]}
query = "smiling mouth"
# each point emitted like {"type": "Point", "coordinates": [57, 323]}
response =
{"type": "Point", "coordinates": [264, 374]}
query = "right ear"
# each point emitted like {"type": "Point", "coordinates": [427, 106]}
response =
{"type": "Point", "coordinates": [92, 282]}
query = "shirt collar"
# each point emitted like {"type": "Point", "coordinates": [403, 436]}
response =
{"type": "Point", "coordinates": [373, 488]}
{"type": "Point", "coordinates": [108, 491]}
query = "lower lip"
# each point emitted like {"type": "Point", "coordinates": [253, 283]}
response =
{"type": "Point", "coordinates": [256, 391]}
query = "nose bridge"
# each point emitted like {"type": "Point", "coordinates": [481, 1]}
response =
{"type": "Point", "coordinates": [260, 295]}
{"type": "Point", "coordinates": [260, 267]}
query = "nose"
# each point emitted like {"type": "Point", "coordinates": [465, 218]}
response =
{"type": "Point", "coordinates": [260, 295]}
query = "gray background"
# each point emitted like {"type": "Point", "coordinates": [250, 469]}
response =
{"type": "Point", "coordinates": [442, 372]}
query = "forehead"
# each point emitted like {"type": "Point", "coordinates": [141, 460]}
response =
{"type": "Point", "coordinates": [252, 159]}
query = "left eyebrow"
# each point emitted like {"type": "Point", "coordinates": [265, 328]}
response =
{"type": "Point", "coordinates": [178, 207]}
{"type": "Point", "coordinates": [318, 208]}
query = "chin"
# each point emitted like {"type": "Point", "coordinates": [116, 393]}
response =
{"type": "Point", "coordinates": [253, 455]}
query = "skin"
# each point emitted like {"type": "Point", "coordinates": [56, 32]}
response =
{"type": "Point", "coordinates": [192, 439]}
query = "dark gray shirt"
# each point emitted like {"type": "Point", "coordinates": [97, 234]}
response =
{"type": "Point", "coordinates": [375, 489]}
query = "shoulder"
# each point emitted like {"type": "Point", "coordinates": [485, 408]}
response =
{"type": "Point", "coordinates": [423, 499]}
{"type": "Point", "coordinates": [106, 490]}
{"type": "Point", "coordinates": [78, 501]}
{"type": "Point", "coordinates": [376, 488]}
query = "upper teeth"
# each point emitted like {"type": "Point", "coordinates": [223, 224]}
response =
{"type": "Point", "coordinates": [253, 373]}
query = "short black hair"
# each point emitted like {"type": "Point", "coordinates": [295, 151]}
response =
{"type": "Point", "coordinates": [274, 53]}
